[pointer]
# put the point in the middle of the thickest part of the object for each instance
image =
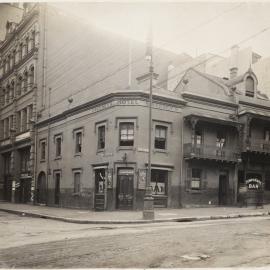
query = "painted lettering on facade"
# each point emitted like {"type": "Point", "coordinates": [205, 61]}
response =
{"type": "Point", "coordinates": [254, 184]}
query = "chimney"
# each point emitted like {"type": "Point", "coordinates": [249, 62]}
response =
{"type": "Point", "coordinates": [234, 61]}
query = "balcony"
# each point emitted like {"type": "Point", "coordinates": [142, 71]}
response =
{"type": "Point", "coordinates": [210, 152]}
{"type": "Point", "coordinates": [258, 145]}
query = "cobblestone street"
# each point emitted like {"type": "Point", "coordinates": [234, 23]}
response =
{"type": "Point", "coordinates": [39, 243]}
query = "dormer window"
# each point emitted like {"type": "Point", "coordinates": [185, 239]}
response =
{"type": "Point", "coordinates": [250, 89]}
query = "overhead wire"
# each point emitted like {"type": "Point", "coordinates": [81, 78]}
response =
{"type": "Point", "coordinates": [139, 58]}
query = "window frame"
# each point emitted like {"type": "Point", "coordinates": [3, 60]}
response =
{"type": "Point", "coordinates": [75, 137]}
{"type": "Point", "coordinates": [165, 139]}
{"type": "Point", "coordinates": [128, 124]}
{"type": "Point", "coordinates": [76, 185]}
{"type": "Point", "coordinates": [41, 143]}
{"type": "Point", "coordinates": [100, 141]}
{"type": "Point", "coordinates": [58, 137]}
{"type": "Point", "coordinates": [196, 179]}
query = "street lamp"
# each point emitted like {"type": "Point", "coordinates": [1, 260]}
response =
{"type": "Point", "coordinates": [148, 207]}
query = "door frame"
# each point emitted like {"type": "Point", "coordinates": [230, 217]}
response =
{"type": "Point", "coordinates": [220, 199]}
{"type": "Point", "coordinates": [118, 186]}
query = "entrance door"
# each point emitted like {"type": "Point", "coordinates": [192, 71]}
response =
{"type": "Point", "coordinates": [57, 189]}
{"type": "Point", "coordinates": [41, 188]}
{"type": "Point", "coordinates": [223, 188]}
{"type": "Point", "coordinates": [100, 189]}
{"type": "Point", "coordinates": [125, 189]}
{"type": "Point", "coordinates": [8, 189]}
{"type": "Point", "coordinates": [25, 190]}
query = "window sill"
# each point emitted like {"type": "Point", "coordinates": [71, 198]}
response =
{"type": "Point", "coordinates": [161, 151]}
{"type": "Point", "coordinates": [195, 191]}
{"type": "Point", "coordinates": [101, 150]}
{"type": "Point", "coordinates": [42, 160]}
{"type": "Point", "coordinates": [126, 148]}
{"type": "Point", "coordinates": [77, 154]}
{"type": "Point", "coordinates": [58, 157]}
{"type": "Point", "coordinates": [76, 194]}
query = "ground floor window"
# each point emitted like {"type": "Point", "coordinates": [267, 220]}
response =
{"type": "Point", "coordinates": [159, 180]}
{"type": "Point", "coordinates": [267, 181]}
{"type": "Point", "coordinates": [196, 178]}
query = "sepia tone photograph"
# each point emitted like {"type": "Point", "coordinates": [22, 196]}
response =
{"type": "Point", "coordinates": [134, 134]}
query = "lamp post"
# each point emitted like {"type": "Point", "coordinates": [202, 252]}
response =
{"type": "Point", "coordinates": [148, 207]}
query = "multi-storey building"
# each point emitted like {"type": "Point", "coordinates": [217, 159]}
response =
{"type": "Point", "coordinates": [18, 96]}
{"type": "Point", "coordinates": [74, 118]}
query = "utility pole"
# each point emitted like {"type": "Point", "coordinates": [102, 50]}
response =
{"type": "Point", "coordinates": [148, 207]}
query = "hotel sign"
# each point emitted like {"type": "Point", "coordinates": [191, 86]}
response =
{"type": "Point", "coordinates": [135, 102]}
{"type": "Point", "coordinates": [254, 184]}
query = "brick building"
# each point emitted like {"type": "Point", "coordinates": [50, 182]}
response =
{"type": "Point", "coordinates": [74, 130]}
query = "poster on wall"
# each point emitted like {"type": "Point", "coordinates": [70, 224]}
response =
{"type": "Point", "coordinates": [109, 178]}
{"type": "Point", "coordinates": [158, 188]}
{"type": "Point", "coordinates": [142, 174]}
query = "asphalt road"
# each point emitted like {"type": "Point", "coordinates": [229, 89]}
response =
{"type": "Point", "coordinates": [40, 243]}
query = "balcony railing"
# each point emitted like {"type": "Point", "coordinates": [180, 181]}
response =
{"type": "Point", "coordinates": [210, 152]}
{"type": "Point", "coordinates": [258, 145]}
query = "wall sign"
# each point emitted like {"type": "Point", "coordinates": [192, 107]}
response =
{"type": "Point", "coordinates": [254, 184]}
{"type": "Point", "coordinates": [142, 174]}
{"type": "Point", "coordinates": [109, 178]}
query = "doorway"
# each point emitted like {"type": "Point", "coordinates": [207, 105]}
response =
{"type": "Point", "coordinates": [25, 190]}
{"type": "Point", "coordinates": [57, 178]}
{"type": "Point", "coordinates": [125, 190]}
{"type": "Point", "coordinates": [223, 188]}
{"type": "Point", "coordinates": [100, 189]}
{"type": "Point", "coordinates": [41, 188]}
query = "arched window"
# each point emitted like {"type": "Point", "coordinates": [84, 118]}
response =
{"type": "Point", "coordinates": [250, 89]}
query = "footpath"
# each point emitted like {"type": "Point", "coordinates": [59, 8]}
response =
{"type": "Point", "coordinates": [132, 217]}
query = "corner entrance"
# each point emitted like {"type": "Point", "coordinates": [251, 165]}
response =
{"type": "Point", "coordinates": [125, 190]}
{"type": "Point", "coordinates": [223, 188]}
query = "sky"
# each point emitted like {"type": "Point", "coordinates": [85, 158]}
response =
{"type": "Point", "coordinates": [191, 27]}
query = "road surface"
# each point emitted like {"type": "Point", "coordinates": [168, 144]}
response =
{"type": "Point", "coordinates": [41, 243]}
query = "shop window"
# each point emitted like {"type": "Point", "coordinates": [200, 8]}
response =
{"type": "Point", "coordinates": [101, 137]}
{"type": "Point", "coordinates": [78, 142]}
{"type": "Point", "coordinates": [25, 161]}
{"type": "Point", "coordinates": [77, 182]}
{"type": "Point", "coordinates": [249, 86]}
{"type": "Point", "coordinates": [159, 180]}
{"type": "Point", "coordinates": [196, 178]}
{"type": "Point", "coordinates": [42, 150]}
{"type": "Point", "coordinates": [160, 137]}
{"type": "Point", "coordinates": [126, 134]}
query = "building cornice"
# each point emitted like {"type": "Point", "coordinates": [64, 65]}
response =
{"type": "Point", "coordinates": [110, 97]}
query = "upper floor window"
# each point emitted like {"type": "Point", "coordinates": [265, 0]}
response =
{"type": "Point", "coordinates": [221, 139]}
{"type": "Point", "coordinates": [250, 87]}
{"type": "Point", "coordinates": [43, 150]}
{"type": "Point", "coordinates": [160, 137]}
{"type": "Point", "coordinates": [101, 137]}
{"type": "Point", "coordinates": [58, 146]}
{"type": "Point", "coordinates": [78, 142]}
{"type": "Point", "coordinates": [126, 134]}
{"type": "Point", "coordinates": [197, 138]}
